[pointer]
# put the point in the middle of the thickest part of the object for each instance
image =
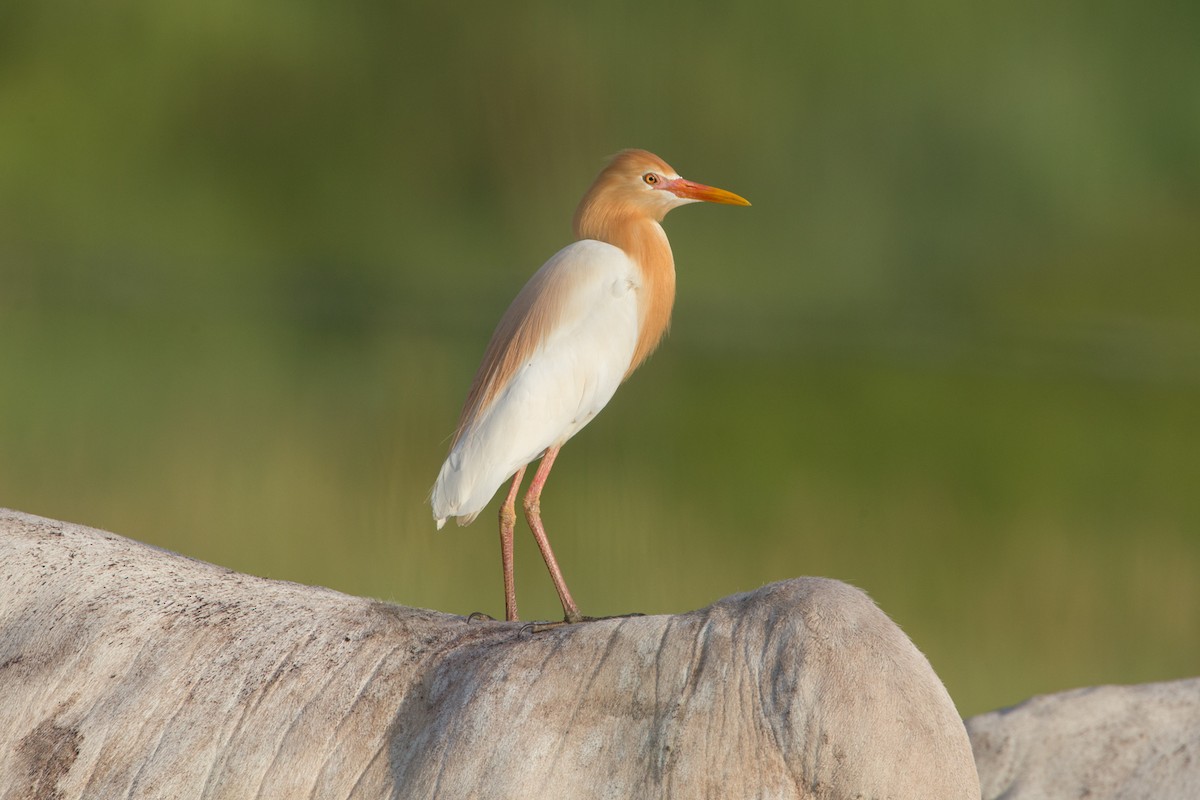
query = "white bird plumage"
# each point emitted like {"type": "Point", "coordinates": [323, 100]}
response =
{"type": "Point", "coordinates": [563, 383]}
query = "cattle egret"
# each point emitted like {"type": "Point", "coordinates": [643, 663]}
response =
{"type": "Point", "coordinates": [582, 324]}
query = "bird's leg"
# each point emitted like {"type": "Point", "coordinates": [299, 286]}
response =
{"type": "Point", "coordinates": [533, 512]}
{"type": "Point", "coordinates": [508, 521]}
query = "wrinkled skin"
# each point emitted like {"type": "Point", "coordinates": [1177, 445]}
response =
{"type": "Point", "coordinates": [128, 671]}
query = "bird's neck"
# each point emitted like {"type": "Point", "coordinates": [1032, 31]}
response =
{"type": "Point", "coordinates": [645, 242]}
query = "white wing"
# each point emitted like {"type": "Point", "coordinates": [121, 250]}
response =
{"type": "Point", "coordinates": [556, 359]}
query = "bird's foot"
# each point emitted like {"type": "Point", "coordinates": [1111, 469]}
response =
{"type": "Point", "coordinates": [547, 625]}
{"type": "Point", "coordinates": [479, 616]}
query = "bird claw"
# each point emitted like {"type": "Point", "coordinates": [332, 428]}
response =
{"type": "Point", "coordinates": [478, 616]}
{"type": "Point", "coordinates": [547, 625]}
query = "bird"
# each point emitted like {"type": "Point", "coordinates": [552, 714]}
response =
{"type": "Point", "coordinates": [576, 331]}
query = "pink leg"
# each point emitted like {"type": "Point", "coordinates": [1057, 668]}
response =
{"type": "Point", "coordinates": [533, 512]}
{"type": "Point", "coordinates": [508, 520]}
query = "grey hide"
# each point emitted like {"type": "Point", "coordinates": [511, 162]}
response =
{"type": "Point", "coordinates": [127, 671]}
{"type": "Point", "coordinates": [1104, 743]}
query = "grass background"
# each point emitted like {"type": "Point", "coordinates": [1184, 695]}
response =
{"type": "Point", "coordinates": [250, 254]}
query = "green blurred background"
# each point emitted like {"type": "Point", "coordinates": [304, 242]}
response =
{"type": "Point", "coordinates": [250, 254]}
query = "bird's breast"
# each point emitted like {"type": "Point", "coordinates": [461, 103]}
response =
{"type": "Point", "coordinates": [651, 254]}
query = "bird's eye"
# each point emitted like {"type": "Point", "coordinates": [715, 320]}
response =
{"type": "Point", "coordinates": [650, 178]}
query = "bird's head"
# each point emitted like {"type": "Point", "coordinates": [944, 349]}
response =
{"type": "Point", "coordinates": [639, 183]}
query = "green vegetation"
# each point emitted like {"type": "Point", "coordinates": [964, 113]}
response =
{"type": "Point", "coordinates": [250, 255]}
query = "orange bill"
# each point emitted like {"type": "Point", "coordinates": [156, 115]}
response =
{"type": "Point", "coordinates": [682, 187]}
